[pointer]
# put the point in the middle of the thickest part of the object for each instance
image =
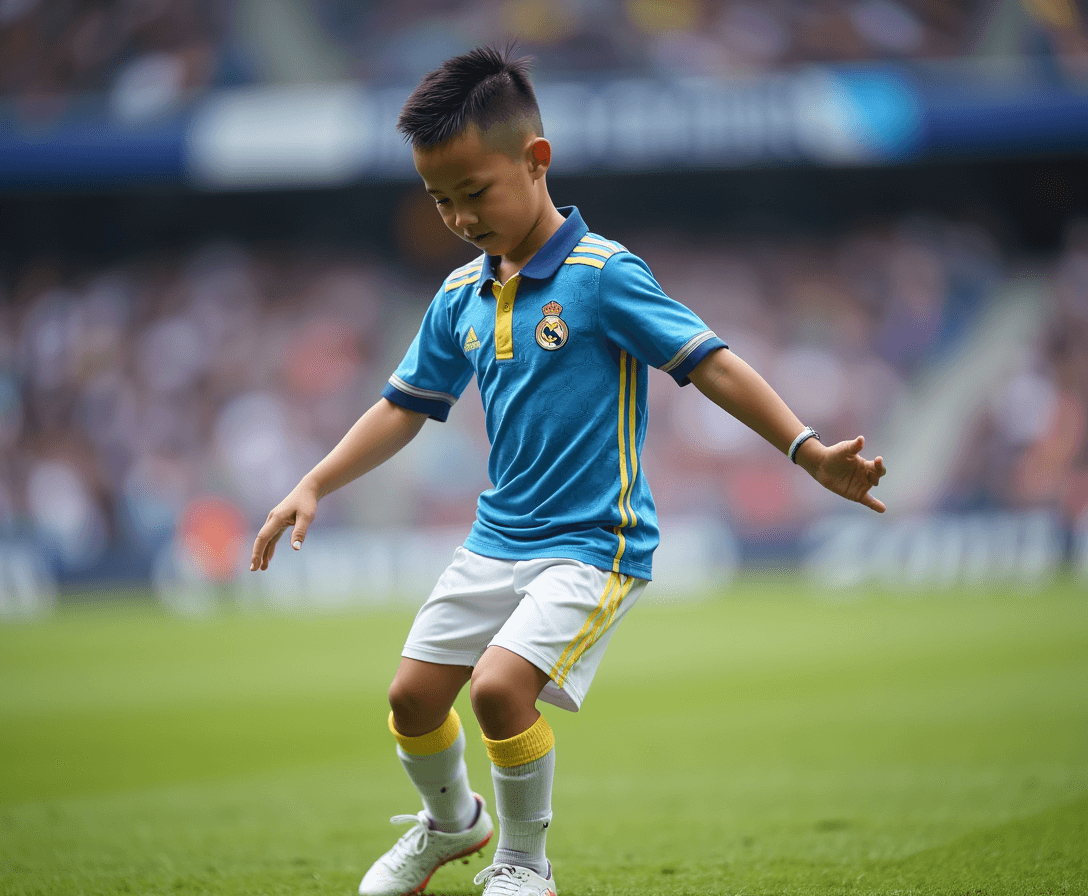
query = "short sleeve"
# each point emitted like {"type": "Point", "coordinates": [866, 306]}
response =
{"type": "Point", "coordinates": [434, 371]}
{"type": "Point", "coordinates": [641, 319]}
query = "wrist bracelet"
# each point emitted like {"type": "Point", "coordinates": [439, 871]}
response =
{"type": "Point", "coordinates": [807, 433]}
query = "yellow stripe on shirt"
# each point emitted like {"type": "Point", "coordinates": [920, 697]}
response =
{"type": "Point", "coordinates": [632, 387]}
{"type": "Point", "coordinates": [592, 262]}
{"type": "Point", "coordinates": [471, 278]}
{"type": "Point", "coordinates": [618, 585]}
{"type": "Point", "coordinates": [628, 449]}
{"type": "Point", "coordinates": [624, 481]}
{"type": "Point", "coordinates": [597, 241]}
{"type": "Point", "coordinates": [596, 250]}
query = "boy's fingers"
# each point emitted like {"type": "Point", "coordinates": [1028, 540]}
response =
{"type": "Point", "coordinates": [872, 503]}
{"type": "Point", "coordinates": [299, 534]}
{"type": "Point", "coordinates": [260, 547]}
{"type": "Point", "coordinates": [878, 471]}
{"type": "Point", "coordinates": [265, 545]}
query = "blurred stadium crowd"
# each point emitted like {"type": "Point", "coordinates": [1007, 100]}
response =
{"type": "Point", "coordinates": [137, 400]}
{"type": "Point", "coordinates": [176, 393]}
{"type": "Point", "coordinates": [148, 54]}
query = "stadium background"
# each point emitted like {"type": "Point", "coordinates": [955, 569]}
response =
{"type": "Point", "coordinates": [213, 251]}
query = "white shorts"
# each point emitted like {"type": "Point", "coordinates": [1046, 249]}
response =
{"type": "Point", "coordinates": [556, 613]}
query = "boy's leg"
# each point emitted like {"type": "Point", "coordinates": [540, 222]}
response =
{"type": "Point", "coordinates": [563, 623]}
{"type": "Point", "coordinates": [521, 746]}
{"type": "Point", "coordinates": [430, 741]}
{"type": "Point", "coordinates": [431, 746]}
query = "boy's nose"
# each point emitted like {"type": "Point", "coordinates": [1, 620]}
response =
{"type": "Point", "coordinates": [465, 219]}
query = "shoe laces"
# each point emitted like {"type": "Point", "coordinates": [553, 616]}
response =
{"type": "Point", "coordinates": [413, 842]}
{"type": "Point", "coordinates": [502, 880]}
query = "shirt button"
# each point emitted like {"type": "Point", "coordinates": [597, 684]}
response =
{"type": "Point", "coordinates": [505, 307]}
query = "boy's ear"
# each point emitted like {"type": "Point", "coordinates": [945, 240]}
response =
{"type": "Point", "coordinates": [540, 155]}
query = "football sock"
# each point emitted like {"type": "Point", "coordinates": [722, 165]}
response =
{"type": "Point", "coordinates": [435, 763]}
{"type": "Point", "coordinates": [522, 768]}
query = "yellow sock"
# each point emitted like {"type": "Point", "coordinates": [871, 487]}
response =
{"type": "Point", "coordinates": [534, 742]}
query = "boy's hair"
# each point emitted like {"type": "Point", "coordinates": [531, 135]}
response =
{"type": "Point", "coordinates": [485, 87]}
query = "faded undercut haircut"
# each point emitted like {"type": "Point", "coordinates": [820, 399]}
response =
{"type": "Point", "coordinates": [486, 87]}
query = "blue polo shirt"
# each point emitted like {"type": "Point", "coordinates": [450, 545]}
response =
{"type": "Point", "coordinates": [560, 353]}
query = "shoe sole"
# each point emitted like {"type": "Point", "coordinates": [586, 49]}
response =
{"type": "Point", "coordinates": [459, 855]}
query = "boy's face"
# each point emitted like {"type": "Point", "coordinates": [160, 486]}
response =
{"type": "Point", "coordinates": [485, 196]}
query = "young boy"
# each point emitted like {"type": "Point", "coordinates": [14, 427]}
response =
{"type": "Point", "coordinates": [559, 326]}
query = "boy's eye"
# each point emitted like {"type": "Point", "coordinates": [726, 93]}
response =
{"type": "Point", "coordinates": [441, 201]}
{"type": "Point", "coordinates": [477, 194]}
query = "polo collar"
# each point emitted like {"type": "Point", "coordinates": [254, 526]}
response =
{"type": "Point", "coordinates": [550, 256]}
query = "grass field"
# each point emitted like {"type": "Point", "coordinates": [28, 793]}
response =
{"type": "Point", "coordinates": [766, 742]}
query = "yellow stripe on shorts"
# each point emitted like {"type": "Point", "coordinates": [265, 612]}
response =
{"type": "Point", "coordinates": [603, 623]}
{"type": "Point", "coordinates": [562, 668]}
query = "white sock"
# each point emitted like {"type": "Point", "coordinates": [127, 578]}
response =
{"type": "Point", "coordinates": [442, 781]}
{"type": "Point", "coordinates": [523, 802]}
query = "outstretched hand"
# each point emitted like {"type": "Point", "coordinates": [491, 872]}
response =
{"type": "Point", "coordinates": [841, 469]}
{"type": "Point", "coordinates": [297, 509]}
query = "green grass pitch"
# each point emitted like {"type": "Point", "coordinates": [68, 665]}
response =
{"type": "Point", "coordinates": [760, 742]}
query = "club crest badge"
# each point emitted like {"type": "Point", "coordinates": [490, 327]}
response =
{"type": "Point", "coordinates": [552, 332]}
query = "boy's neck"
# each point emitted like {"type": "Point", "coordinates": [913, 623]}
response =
{"type": "Point", "coordinates": [543, 230]}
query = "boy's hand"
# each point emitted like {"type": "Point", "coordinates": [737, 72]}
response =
{"type": "Point", "coordinates": [843, 470]}
{"type": "Point", "coordinates": [297, 509]}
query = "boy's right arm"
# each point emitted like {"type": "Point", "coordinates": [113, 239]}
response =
{"type": "Point", "coordinates": [376, 436]}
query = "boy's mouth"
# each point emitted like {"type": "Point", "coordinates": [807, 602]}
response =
{"type": "Point", "coordinates": [479, 237]}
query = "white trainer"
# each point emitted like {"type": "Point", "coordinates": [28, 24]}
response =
{"type": "Point", "coordinates": [510, 880]}
{"type": "Point", "coordinates": [408, 866]}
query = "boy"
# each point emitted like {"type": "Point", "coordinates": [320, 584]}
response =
{"type": "Point", "coordinates": [558, 325]}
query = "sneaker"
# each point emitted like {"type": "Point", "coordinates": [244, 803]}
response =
{"type": "Point", "coordinates": [510, 880]}
{"type": "Point", "coordinates": [407, 867]}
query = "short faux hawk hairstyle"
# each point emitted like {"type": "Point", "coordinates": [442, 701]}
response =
{"type": "Point", "coordinates": [485, 87]}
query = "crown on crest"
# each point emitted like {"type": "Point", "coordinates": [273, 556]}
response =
{"type": "Point", "coordinates": [553, 309]}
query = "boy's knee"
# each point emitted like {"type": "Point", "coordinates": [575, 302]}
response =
{"type": "Point", "coordinates": [401, 697]}
{"type": "Point", "coordinates": [489, 692]}
{"type": "Point", "coordinates": [422, 693]}
{"type": "Point", "coordinates": [415, 711]}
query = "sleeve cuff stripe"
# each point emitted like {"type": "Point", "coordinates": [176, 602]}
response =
{"type": "Point", "coordinates": [687, 349]}
{"type": "Point", "coordinates": [426, 394]}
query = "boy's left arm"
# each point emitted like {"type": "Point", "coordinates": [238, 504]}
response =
{"type": "Point", "coordinates": [733, 385]}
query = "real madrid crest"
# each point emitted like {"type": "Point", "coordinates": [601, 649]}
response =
{"type": "Point", "coordinates": [552, 331]}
